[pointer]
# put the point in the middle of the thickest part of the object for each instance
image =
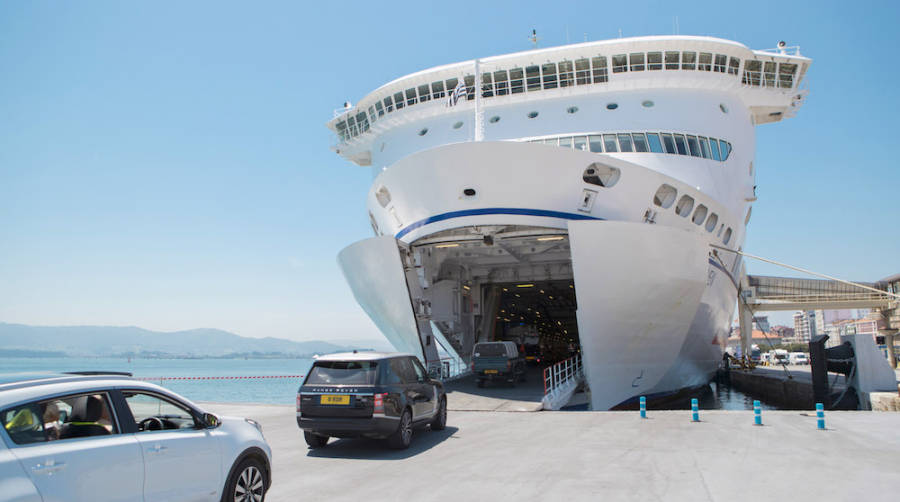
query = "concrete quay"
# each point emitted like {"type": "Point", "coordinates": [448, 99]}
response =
{"type": "Point", "coordinates": [577, 456]}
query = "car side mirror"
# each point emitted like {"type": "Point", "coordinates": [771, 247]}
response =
{"type": "Point", "coordinates": [211, 421]}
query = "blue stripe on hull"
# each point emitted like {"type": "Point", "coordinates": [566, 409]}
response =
{"type": "Point", "coordinates": [494, 210]}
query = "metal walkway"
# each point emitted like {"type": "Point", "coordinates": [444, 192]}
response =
{"type": "Point", "coordinates": [767, 293]}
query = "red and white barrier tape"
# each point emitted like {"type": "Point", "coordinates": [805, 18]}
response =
{"type": "Point", "coordinates": [156, 379]}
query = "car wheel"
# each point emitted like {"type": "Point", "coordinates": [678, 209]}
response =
{"type": "Point", "coordinates": [247, 482]}
{"type": "Point", "coordinates": [314, 440]}
{"type": "Point", "coordinates": [440, 419]}
{"type": "Point", "coordinates": [401, 438]}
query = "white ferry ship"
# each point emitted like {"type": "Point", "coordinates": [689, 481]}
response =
{"type": "Point", "coordinates": [570, 198]}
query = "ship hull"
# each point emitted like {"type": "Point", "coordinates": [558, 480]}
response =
{"type": "Point", "coordinates": [653, 300]}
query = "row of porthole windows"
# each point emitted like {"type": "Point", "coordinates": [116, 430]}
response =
{"type": "Point", "coordinates": [652, 142]}
{"type": "Point", "coordinates": [665, 196]}
{"type": "Point", "coordinates": [569, 73]}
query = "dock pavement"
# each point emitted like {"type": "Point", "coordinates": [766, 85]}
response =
{"type": "Point", "coordinates": [576, 456]}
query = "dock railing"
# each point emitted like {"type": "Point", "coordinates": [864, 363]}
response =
{"type": "Point", "coordinates": [561, 380]}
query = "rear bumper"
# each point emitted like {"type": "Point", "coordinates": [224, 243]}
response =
{"type": "Point", "coordinates": [374, 427]}
{"type": "Point", "coordinates": [501, 375]}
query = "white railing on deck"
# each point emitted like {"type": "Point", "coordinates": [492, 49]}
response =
{"type": "Point", "coordinates": [563, 373]}
{"type": "Point", "coordinates": [452, 368]}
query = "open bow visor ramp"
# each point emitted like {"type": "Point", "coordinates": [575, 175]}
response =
{"type": "Point", "coordinates": [622, 294]}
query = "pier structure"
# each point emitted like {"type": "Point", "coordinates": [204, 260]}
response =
{"type": "Point", "coordinates": [768, 293]}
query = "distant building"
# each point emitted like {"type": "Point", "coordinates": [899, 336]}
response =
{"type": "Point", "coordinates": [805, 326]}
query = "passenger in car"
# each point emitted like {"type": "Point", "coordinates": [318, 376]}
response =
{"type": "Point", "coordinates": [86, 412]}
{"type": "Point", "coordinates": [51, 421]}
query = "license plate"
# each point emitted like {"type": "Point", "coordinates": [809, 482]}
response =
{"type": "Point", "coordinates": [331, 399]}
{"type": "Point", "coordinates": [490, 372]}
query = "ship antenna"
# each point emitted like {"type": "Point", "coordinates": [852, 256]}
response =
{"type": "Point", "coordinates": [534, 38]}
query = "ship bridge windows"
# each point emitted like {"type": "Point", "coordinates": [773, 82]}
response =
{"type": "Point", "coordinates": [501, 82]}
{"type": "Point", "coordinates": [487, 85]}
{"type": "Point", "coordinates": [566, 73]}
{"type": "Point", "coordinates": [653, 140]}
{"type": "Point", "coordinates": [786, 73]}
{"type": "Point", "coordinates": [680, 144]}
{"type": "Point", "coordinates": [668, 142]}
{"type": "Point", "coordinates": [516, 82]}
{"type": "Point", "coordinates": [625, 144]}
{"type": "Point", "coordinates": [599, 69]}
{"type": "Point", "coordinates": [424, 93]}
{"type": "Point", "coordinates": [640, 142]}
{"type": "Point", "coordinates": [769, 73]}
{"type": "Point", "coordinates": [705, 62]}
{"type": "Point", "coordinates": [694, 146]}
{"type": "Point", "coordinates": [714, 149]}
{"type": "Point", "coordinates": [549, 73]}
{"type": "Point", "coordinates": [595, 143]}
{"type": "Point", "coordinates": [721, 60]}
{"type": "Point", "coordinates": [609, 143]}
{"type": "Point", "coordinates": [673, 59]}
{"type": "Point", "coordinates": [637, 61]}
{"type": "Point", "coordinates": [704, 147]}
{"type": "Point", "coordinates": [582, 71]}
{"type": "Point", "coordinates": [533, 77]}
{"type": "Point", "coordinates": [437, 90]}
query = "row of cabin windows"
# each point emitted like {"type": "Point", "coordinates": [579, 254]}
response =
{"type": "Point", "coordinates": [568, 73]}
{"type": "Point", "coordinates": [665, 196]}
{"type": "Point", "coordinates": [652, 142]}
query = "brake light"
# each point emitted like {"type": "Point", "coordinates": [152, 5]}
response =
{"type": "Point", "coordinates": [508, 364]}
{"type": "Point", "coordinates": [379, 403]}
{"type": "Point", "coordinates": [298, 403]}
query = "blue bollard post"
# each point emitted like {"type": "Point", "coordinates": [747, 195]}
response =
{"type": "Point", "coordinates": [695, 414]}
{"type": "Point", "coordinates": [820, 416]}
{"type": "Point", "coordinates": [643, 407]}
{"type": "Point", "coordinates": [757, 413]}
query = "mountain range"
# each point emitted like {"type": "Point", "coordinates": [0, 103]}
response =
{"type": "Point", "coordinates": [30, 341]}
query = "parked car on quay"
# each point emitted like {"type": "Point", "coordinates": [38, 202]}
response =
{"type": "Point", "coordinates": [369, 394]}
{"type": "Point", "coordinates": [497, 361]}
{"type": "Point", "coordinates": [95, 436]}
{"type": "Point", "coordinates": [799, 358]}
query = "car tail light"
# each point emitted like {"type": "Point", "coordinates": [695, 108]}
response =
{"type": "Point", "coordinates": [298, 403]}
{"type": "Point", "coordinates": [379, 403]}
{"type": "Point", "coordinates": [508, 364]}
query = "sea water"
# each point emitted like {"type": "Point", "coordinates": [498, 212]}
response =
{"type": "Point", "coordinates": [163, 371]}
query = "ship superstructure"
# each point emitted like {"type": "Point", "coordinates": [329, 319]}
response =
{"type": "Point", "coordinates": [569, 201]}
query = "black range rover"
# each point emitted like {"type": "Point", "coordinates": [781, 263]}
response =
{"type": "Point", "coordinates": [369, 394]}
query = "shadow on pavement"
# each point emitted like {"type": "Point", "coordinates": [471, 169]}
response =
{"type": "Point", "coordinates": [377, 449]}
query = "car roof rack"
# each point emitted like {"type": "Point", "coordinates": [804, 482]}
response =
{"type": "Point", "coordinates": [94, 373]}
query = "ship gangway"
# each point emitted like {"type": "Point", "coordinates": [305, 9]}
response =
{"type": "Point", "coordinates": [561, 381]}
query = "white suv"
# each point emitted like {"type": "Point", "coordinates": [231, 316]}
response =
{"type": "Point", "coordinates": [103, 436]}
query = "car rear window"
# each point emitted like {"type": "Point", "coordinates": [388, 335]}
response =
{"type": "Point", "coordinates": [490, 350]}
{"type": "Point", "coordinates": [342, 373]}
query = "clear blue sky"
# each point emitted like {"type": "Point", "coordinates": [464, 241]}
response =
{"type": "Point", "coordinates": [166, 164]}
